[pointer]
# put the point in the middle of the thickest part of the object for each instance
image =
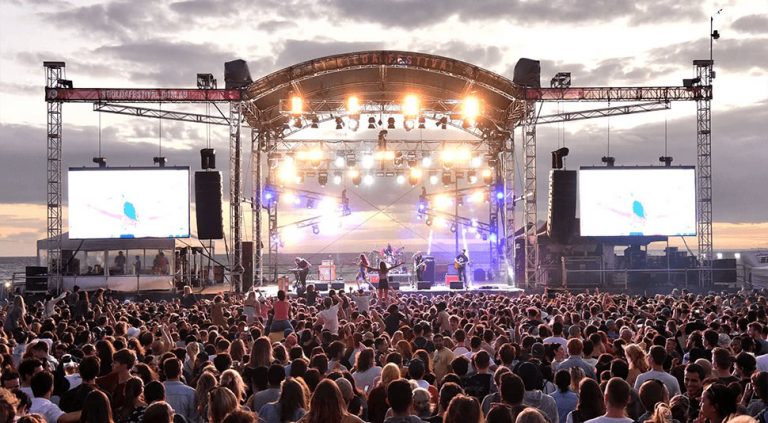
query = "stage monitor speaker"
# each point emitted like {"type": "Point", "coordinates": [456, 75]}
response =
{"type": "Point", "coordinates": [394, 285]}
{"type": "Point", "coordinates": [561, 213]}
{"type": "Point", "coordinates": [457, 285]}
{"type": "Point", "coordinates": [429, 269]}
{"type": "Point", "coordinates": [424, 286]}
{"type": "Point", "coordinates": [210, 224]}
{"type": "Point", "coordinates": [208, 158]}
{"type": "Point", "coordinates": [236, 74]}
{"type": "Point", "coordinates": [321, 286]}
{"type": "Point", "coordinates": [36, 278]}
{"type": "Point", "coordinates": [527, 73]}
{"type": "Point", "coordinates": [247, 265]}
{"type": "Point", "coordinates": [339, 286]}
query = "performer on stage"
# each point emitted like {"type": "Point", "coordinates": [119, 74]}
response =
{"type": "Point", "coordinates": [362, 272]}
{"type": "Point", "coordinates": [419, 265]}
{"type": "Point", "coordinates": [461, 266]}
{"type": "Point", "coordinates": [302, 270]}
{"type": "Point", "coordinates": [383, 271]}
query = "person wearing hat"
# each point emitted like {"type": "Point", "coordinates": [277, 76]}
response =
{"type": "Point", "coordinates": [534, 397]}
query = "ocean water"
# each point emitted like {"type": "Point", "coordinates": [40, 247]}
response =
{"type": "Point", "coordinates": [9, 265]}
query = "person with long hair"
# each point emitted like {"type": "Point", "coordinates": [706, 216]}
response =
{"type": "Point", "coordinates": [591, 403]}
{"type": "Point", "coordinates": [260, 355]}
{"type": "Point", "coordinates": [289, 407]}
{"type": "Point", "coordinates": [327, 405]}
{"type": "Point", "coordinates": [366, 371]}
{"type": "Point", "coordinates": [221, 401]}
{"type": "Point", "coordinates": [96, 408]}
{"type": "Point", "coordinates": [249, 307]}
{"type": "Point", "coordinates": [383, 271]}
{"type": "Point", "coordinates": [15, 318]}
{"type": "Point", "coordinates": [565, 399]}
{"type": "Point", "coordinates": [105, 351]}
{"type": "Point", "coordinates": [531, 415]}
{"type": "Point", "coordinates": [146, 373]}
{"type": "Point", "coordinates": [281, 318]}
{"type": "Point", "coordinates": [205, 384]}
{"type": "Point", "coordinates": [377, 397]}
{"type": "Point", "coordinates": [637, 364]}
{"type": "Point", "coordinates": [718, 404]}
{"type": "Point", "coordinates": [231, 379]}
{"type": "Point", "coordinates": [463, 409]}
{"type": "Point", "coordinates": [134, 407]}
{"type": "Point", "coordinates": [362, 274]}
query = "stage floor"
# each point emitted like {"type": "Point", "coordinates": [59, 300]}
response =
{"type": "Point", "coordinates": [437, 289]}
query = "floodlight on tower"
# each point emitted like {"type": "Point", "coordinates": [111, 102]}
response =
{"type": "Point", "coordinates": [297, 105]}
{"type": "Point", "coordinates": [470, 109]}
{"type": "Point", "coordinates": [411, 106]}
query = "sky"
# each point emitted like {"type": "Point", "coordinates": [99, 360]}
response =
{"type": "Point", "coordinates": [160, 43]}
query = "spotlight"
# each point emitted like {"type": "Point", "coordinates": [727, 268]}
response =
{"type": "Point", "coordinates": [390, 123]}
{"type": "Point", "coordinates": [315, 229]}
{"type": "Point", "coordinates": [300, 178]}
{"type": "Point", "coordinates": [371, 123]}
{"type": "Point", "coordinates": [487, 176]}
{"type": "Point", "coordinates": [472, 176]}
{"type": "Point", "coordinates": [101, 161]}
{"type": "Point", "coordinates": [160, 161]}
{"type": "Point", "coordinates": [310, 203]}
{"type": "Point", "coordinates": [426, 161]}
{"type": "Point", "coordinates": [422, 121]}
{"type": "Point", "coordinates": [414, 176]}
{"type": "Point", "coordinates": [447, 178]}
{"type": "Point", "coordinates": [368, 161]}
{"type": "Point", "coordinates": [297, 123]}
{"type": "Point", "coordinates": [353, 106]}
{"type": "Point", "coordinates": [492, 237]}
{"type": "Point", "coordinates": [356, 178]}
{"type": "Point", "coordinates": [398, 159]}
{"type": "Point", "coordinates": [315, 122]}
{"type": "Point", "coordinates": [339, 123]}
{"type": "Point", "coordinates": [442, 123]}
{"type": "Point", "coordinates": [476, 161]}
{"type": "Point", "coordinates": [470, 109]}
{"type": "Point", "coordinates": [322, 178]}
{"type": "Point", "coordinates": [400, 179]}
{"type": "Point", "coordinates": [354, 122]}
{"type": "Point", "coordinates": [408, 124]}
{"type": "Point", "coordinates": [340, 161]}
{"type": "Point", "coordinates": [433, 178]}
{"type": "Point", "coordinates": [411, 160]}
{"type": "Point", "coordinates": [453, 227]}
{"type": "Point", "coordinates": [297, 105]}
{"type": "Point", "coordinates": [337, 178]}
{"type": "Point", "coordinates": [428, 221]}
{"type": "Point", "coordinates": [484, 235]}
{"type": "Point", "coordinates": [411, 105]}
{"type": "Point", "coordinates": [368, 179]}
{"type": "Point", "coordinates": [351, 159]}
{"type": "Point", "coordinates": [499, 193]}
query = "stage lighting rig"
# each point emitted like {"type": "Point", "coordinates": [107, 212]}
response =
{"type": "Point", "coordinates": [315, 122]}
{"type": "Point", "coordinates": [390, 123]}
{"type": "Point", "coordinates": [608, 160]}
{"type": "Point", "coordinates": [206, 81]}
{"type": "Point", "coordinates": [442, 122]}
{"type": "Point", "coordinates": [398, 160]}
{"type": "Point", "coordinates": [160, 161]}
{"type": "Point", "coordinates": [322, 178]}
{"type": "Point", "coordinates": [422, 122]}
{"type": "Point", "coordinates": [428, 221]}
{"type": "Point", "coordinates": [447, 180]}
{"type": "Point", "coordinates": [371, 123]}
{"type": "Point", "coordinates": [315, 229]}
{"type": "Point", "coordinates": [472, 176]}
{"type": "Point", "coordinates": [667, 160]}
{"type": "Point", "coordinates": [337, 178]}
{"type": "Point", "coordinates": [339, 123]}
{"type": "Point", "coordinates": [297, 105]}
{"type": "Point", "coordinates": [101, 161]}
{"type": "Point", "coordinates": [561, 80]}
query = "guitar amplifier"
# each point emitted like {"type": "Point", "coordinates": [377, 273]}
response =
{"type": "Point", "coordinates": [321, 286]}
{"type": "Point", "coordinates": [374, 279]}
{"type": "Point", "coordinates": [451, 278]}
{"type": "Point", "coordinates": [457, 285]}
{"type": "Point", "coordinates": [424, 285]}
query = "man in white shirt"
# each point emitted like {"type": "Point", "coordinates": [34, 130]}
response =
{"type": "Point", "coordinates": [617, 394]}
{"type": "Point", "coordinates": [330, 316]}
{"type": "Point", "coordinates": [656, 358]}
{"type": "Point", "coordinates": [460, 336]}
{"type": "Point", "coordinates": [557, 337]}
{"type": "Point", "coordinates": [42, 388]}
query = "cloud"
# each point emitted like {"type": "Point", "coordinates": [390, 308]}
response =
{"type": "Point", "coordinates": [419, 13]}
{"type": "Point", "coordinates": [297, 51]}
{"type": "Point", "coordinates": [20, 89]}
{"type": "Point", "coordinates": [735, 55]}
{"type": "Point", "coordinates": [752, 24]}
{"type": "Point", "coordinates": [272, 26]}
{"type": "Point", "coordinates": [483, 56]}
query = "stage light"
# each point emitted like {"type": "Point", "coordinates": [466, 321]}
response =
{"type": "Point", "coordinates": [477, 235]}
{"type": "Point", "coordinates": [355, 175]}
{"type": "Point", "coordinates": [340, 161]}
{"type": "Point", "coordinates": [484, 235]}
{"type": "Point", "coordinates": [339, 123]}
{"type": "Point", "coordinates": [447, 178]}
{"type": "Point", "coordinates": [315, 229]}
{"type": "Point", "coordinates": [400, 179]}
{"type": "Point", "coordinates": [160, 161]}
{"type": "Point", "coordinates": [719, 256]}
{"type": "Point", "coordinates": [310, 203]}
{"type": "Point", "coordinates": [476, 197]}
{"type": "Point", "coordinates": [472, 176]}
{"type": "Point", "coordinates": [287, 170]}
{"type": "Point", "coordinates": [433, 178]}
{"type": "Point", "coordinates": [463, 154]}
{"type": "Point", "coordinates": [500, 194]}
{"type": "Point", "coordinates": [390, 123]}
{"type": "Point", "coordinates": [101, 161]}
{"type": "Point", "coordinates": [398, 159]}
{"type": "Point", "coordinates": [368, 179]}
{"type": "Point", "coordinates": [297, 123]}
{"type": "Point", "coordinates": [737, 256]}
{"type": "Point", "coordinates": [426, 161]}
{"type": "Point", "coordinates": [411, 105]}
{"type": "Point", "coordinates": [442, 201]}
{"type": "Point", "coordinates": [368, 161]}
{"type": "Point", "coordinates": [315, 122]}
{"type": "Point", "coordinates": [371, 123]}
{"type": "Point", "coordinates": [428, 221]}
{"type": "Point", "coordinates": [448, 156]}
{"type": "Point", "coordinates": [337, 178]}
{"type": "Point", "coordinates": [492, 237]}
{"type": "Point", "coordinates": [470, 109]}
{"type": "Point", "coordinates": [297, 105]}
{"type": "Point", "coordinates": [353, 106]}
{"type": "Point", "coordinates": [414, 176]}
{"type": "Point", "coordinates": [487, 176]}
{"type": "Point", "coordinates": [440, 221]}
{"type": "Point", "coordinates": [453, 227]}
{"type": "Point", "coordinates": [473, 222]}
{"type": "Point", "coordinates": [351, 159]}
{"type": "Point", "coordinates": [408, 124]}
{"type": "Point", "coordinates": [354, 122]}
{"type": "Point", "coordinates": [300, 178]}
{"type": "Point", "coordinates": [476, 161]}
{"type": "Point", "coordinates": [322, 178]}
{"type": "Point", "coordinates": [422, 121]}
{"type": "Point", "coordinates": [442, 122]}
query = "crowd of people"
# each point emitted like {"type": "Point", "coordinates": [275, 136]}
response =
{"type": "Point", "coordinates": [344, 357]}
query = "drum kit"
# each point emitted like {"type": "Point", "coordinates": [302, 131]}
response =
{"type": "Point", "coordinates": [391, 256]}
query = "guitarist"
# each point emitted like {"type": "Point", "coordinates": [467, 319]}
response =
{"type": "Point", "coordinates": [419, 265]}
{"type": "Point", "coordinates": [302, 270]}
{"type": "Point", "coordinates": [460, 263]}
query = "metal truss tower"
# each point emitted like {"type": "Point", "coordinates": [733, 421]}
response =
{"type": "Point", "coordinates": [704, 74]}
{"type": "Point", "coordinates": [54, 76]}
{"type": "Point", "coordinates": [529, 196]}
{"type": "Point", "coordinates": [235, 195]}
{"type": "Point", "coordinates": [256, 207]}
{"type": "Point", "coordinates": [508, 158]}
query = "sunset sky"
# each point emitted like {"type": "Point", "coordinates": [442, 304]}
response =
{"type": "Point", "coordinates": [163, 44]}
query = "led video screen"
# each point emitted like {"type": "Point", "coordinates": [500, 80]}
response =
{"type": "Point", "coordinates": [128, 202]}
{"type": "Point", "coordinates": [637, 201]}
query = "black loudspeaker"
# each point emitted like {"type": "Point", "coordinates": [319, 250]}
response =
{"type": "Point", "coordinates": [561, 213]}
{"type": "Point", "coordinates": [457, 285]}
{"type": "Point", "coordinates": [429, 269]}
{"type": "Point", "coordinates": [339, 286]}
{"type": "Point", "coordinates": [236, 74]}
{"type": "Point", "coordinates": [479, 275]}
{"type": "Point", "coordinates": [527, 73]}
{"type": "Point", "coordinates": [210, 224]}
{"type": "Point", "coordinates": [247, 265]}
{"type": "Point", "coordinates": [36, 278]}
{"type": "Point", "coordinates": [424, 285]}
{"type": "Point", "coordinates": [394, 285]}
{"type": "Point", "coordinates": [724, 271]}
{"type": "Point", "coordinates": [321, 286]}
{"type": "Point", "coordinates": [208, 158]}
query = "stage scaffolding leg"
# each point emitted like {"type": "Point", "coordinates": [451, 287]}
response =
{"type": "Point", "coordinates": [235, 196]}
{"type": "Point", "coordinates": [529, 197]}
{"type": "Point", "coordinates": [54, 74]}
{"type": "Point", "coordinates": [704, 172]}
{"type": "Point", "coordinates": [508, 255]}
{"type": "Point", "coordinates": [256, 206]}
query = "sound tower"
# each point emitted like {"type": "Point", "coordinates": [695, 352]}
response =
{"type": "Point", "coordinates": [210, 224]}
{"type": "Point", "coordinates": [429, 270]}
{"type": "Point", "coordinates": [247, 265]}
{"type": "Point", "coordinates": [236, 74]}
{"type": "Point", "coordinates": [561, 213]}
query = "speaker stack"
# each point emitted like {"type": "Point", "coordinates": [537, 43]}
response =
{"type": "Point", "coordinates": [208, 191]}
{"type": "Point", "coordinates": [561, 213]}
